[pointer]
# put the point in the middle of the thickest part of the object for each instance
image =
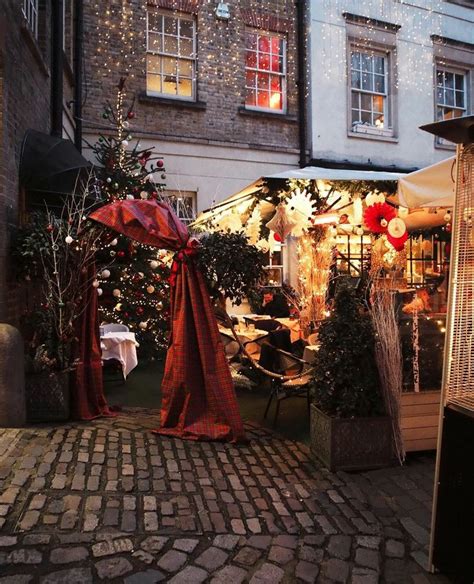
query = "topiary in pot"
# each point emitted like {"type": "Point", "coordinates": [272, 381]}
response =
{"type": "Point", "coordinates": [348, 428]}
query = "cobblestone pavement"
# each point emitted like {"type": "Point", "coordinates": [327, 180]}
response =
{"type": "Point", "coordinates": [109, 501]}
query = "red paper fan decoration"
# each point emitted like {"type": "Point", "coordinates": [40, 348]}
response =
{"type": "Point", "coordinates": [376, 214]}
{"type": "Point", "coordinates": [398, 242]}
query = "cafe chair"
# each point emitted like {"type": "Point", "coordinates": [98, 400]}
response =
{"type": "Point", "coordinates": [285, 363]}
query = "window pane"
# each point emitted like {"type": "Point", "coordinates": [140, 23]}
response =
{"type": "Point", "coordinates": [366, 118]}
{"type": "Point", "coordinates": [379, 63]}
{"type": "Point", "coordinates": [276, 101]}
{"type": "Point", "coordinates": [366, 62]}
{"type": "Point", "coordinates": [449, 79]}
{"type": "Point", "coordinates": [262, 81]}
{"type": "Point", "coordinates": [186, 48]}
{"type": "Point", "coordinates": [154, 42]}
{"type": "Point", "coordinates": [378, 121]}
{"type": "Point", "coordinates": [377, 101]}
{"type": "Point", "coordinates": [449, 96]}
{"type": "Point", "coordinates": [250, 78]}
{"type": "Point", "coordinates": [355, 60]}
{"type": "Point", "coordinates": [264, 61]}
{"type": "Point", "coordinates": [459, 99]}
{"type": "Point", "coordinates": [263, 99]}
{"type": "Point", "coordinates": [366, 102]}
{"type": "Point", "coordinates": [355, 116]}
{"type": "Point", "coordinates": [459, 81]}
{"type": "Point", "coordinates": [250, 97]}
{"type": "Point", "coordinates": [439, 77]}
{"type": "Point", "coordinates": [155, 22]}
{"type": "Point", "coordinates": [153, 83]}
{"type": "Point", "coordinates": [153, 64]}
{"type": "Point", "coordinates": [264, 44]}
{"type": "Point", "coordinates": [170, 45]}
{"type": "Point", "coordinates": [379, 81]}
{"type": "Point", "coordinates": [171, 25]}
{"type": "Point", "coordinates": [355, 79]}
{"type": "Point", "coordinates": [275, 83]}
{"type": "Point", "coordinates": [277, 64]}
{"type": "Point", "coordinates": [440, 113]}
{"type": "Point", "coordinates": [170, 85]}
{"type": "Point", "coordinates": [251, 42]}
{"type": "Point", "coordinates": [185, 87]}
{"type": "Point", "coordinates": [251, 59]}
{"type": "Point", "coordinates": [169, 66]}
{"type": "Point", "coordinates": [355, 100]}
{"type": "Point", "coordinates": [439, 95]}
{"type": "Point", "coordinates": [185, 68]}
{"type": "Point", "coordinates": [186, 28]}
{"type": "Point", "coordinates": [367, 81]}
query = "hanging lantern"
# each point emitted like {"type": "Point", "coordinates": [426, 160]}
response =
{"type": "Point", "coordinates": [281, 223]}
{"type": "Point", "coordinates": [396, 228]}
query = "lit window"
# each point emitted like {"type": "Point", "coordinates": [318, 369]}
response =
{"type": "Point", "coordinates": [369, 90]}
{"type": "Point", "coordinates": [265, 72]}
{"type": "Point", "coordinates": [450, 94]}
{"type": "Point", "coordinates": [171, 55]}
{"type": "Point", "coordinates": [30, 12]}
{"type": "Point", "coordinates": [183, 204]}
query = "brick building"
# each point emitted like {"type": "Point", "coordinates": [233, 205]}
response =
{"type": "Point", "coordinates": [28, 62]}
{"type": "Point", "coordinates": [216, 91]}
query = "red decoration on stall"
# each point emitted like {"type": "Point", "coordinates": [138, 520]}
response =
{"type": "Point", "coordinates": [199, 400]}
{"type": "Point", "coordinates": [398, 242]}
{"type": "Point", "coordinates": [277, 237]}
{"type": "Point", "coordinates": [378, 216]}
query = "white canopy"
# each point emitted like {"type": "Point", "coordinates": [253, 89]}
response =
{"type": "Point", "coordinates": [317, 172]}
{"type": "Point", "coordinates": [432, 186]}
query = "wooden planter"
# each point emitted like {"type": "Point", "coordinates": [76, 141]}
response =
{"type": "Point", "coordinates": [47, 396]}
{"type": "Point", "coordinates": [420, 419]}
{"type": "Point", "coordinates": [351, 443]}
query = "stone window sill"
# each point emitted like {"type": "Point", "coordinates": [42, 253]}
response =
{"type": "Point", "coordinates": [376, 137]}
{"type": "Point", "coordinates": [178, 103]}
{"type": "Point", "coordinates": [243, 111]}
{"type": "Point", "coordinates": [34, 48]}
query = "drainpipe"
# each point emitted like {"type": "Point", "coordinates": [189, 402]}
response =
{"type": "Point", "coordinates": [301, 55]}
{"type": "Point", "coordinates": [57, 67]}
{"type": "Point", "coordinates": [78, 50]}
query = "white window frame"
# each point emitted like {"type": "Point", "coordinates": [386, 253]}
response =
{"type": "Point", "coordinates": [173, 196]}
{"type": "Point", "coordinates": [177, 16]}
{"type": "Point", "coordinates": [361, 129]}
{"type": "Point", "coordinates": [454, 71]}
{"type": "Point", "coordinates": [30, 12]}
{"type": "Point", "coordinates": [282, 74]}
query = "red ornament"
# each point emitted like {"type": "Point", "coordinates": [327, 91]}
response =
{"type": "Point", "coordinates": [139, 310]}
{"type": "Point", "coordinates": [126, 315]}
{"type": "Point", "coordinates": [49, 228]}
{"type": "Point", "coordinates": [277, 237]}
{"type": "Point", "coordinates": [121, 254]}
{"type": "Point", "coordinates": [398, 242]}
{"type": "Point", "coordinates": [378, 216]}
{"type": "Point", "coordinates": [160, 164]}
{"type": "Point", "coordinates": [131, 115]}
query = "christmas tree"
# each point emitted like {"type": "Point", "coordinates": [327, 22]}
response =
{"type": "Point", "coordinates": [132, 278]}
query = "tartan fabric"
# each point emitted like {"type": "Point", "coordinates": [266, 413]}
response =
{"type": "Point", "coordinates": [199, 401]}
{"type": "Point", "coordinates": [87, 393]}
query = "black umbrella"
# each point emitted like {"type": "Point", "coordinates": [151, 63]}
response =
{"type": "Point", "coordinates": [51, 168]}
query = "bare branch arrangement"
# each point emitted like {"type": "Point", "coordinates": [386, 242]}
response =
{"type": "Point", "coordinates": [389, 358]}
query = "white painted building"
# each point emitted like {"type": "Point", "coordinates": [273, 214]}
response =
{"type": "Point", "coordinates": [381, 68]}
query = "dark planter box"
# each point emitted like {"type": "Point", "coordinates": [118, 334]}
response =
{"type": "Point", "coordinates": [351, 443]}
{"type": "Point", "coordinates": [47, 396]}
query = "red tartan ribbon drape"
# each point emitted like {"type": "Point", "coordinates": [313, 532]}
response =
{"type": "Point", "coordinates": [87, 392]}
{"type": "Point", "coordinates": [199, 400]}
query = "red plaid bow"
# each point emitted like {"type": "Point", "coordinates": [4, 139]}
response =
{"type": "Point", "coordinates": [180, 257]}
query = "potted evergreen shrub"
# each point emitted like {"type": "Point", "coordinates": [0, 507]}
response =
{"type": "Point", "coordinates": [349, 430]}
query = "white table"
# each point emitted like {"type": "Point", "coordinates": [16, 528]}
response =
{"type": "Point", "coordinates": [121, 346]}
{"type": "Point", "coordinates": [244, 335]}
{"type": "Point", "coordinates": [294, 325]}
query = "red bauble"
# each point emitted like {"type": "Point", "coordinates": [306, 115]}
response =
{"type": "Point", "coordinates": [160, 164]}
{"type": "Point", "coordinates": [126, 315]}
{"type": "Point", "coordinates": [131, 115]}
{"type": "Point", "coordinates": [139, 310]}
{"type": "Point", "coordinates": [121, 254]}
{"type": "Point", "coordinates": [375, 214]}
{"type": "Point", "coordinates": [277, 237]}
{"type": "Point", "coordinates": [49, 228]}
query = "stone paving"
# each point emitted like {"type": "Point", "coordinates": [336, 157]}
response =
{"type": "Point", "coordinates": [110, 501]}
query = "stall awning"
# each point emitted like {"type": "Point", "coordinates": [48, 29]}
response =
{"type": "Point", "coordinates": [247, 194]}
{"type": "Point", "coordinates": [432, 186]}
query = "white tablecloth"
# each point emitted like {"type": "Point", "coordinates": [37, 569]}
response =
{"type": "Point", "coordinates": [244, 335]}
{"type": "Point", "coordinates": [293, 324]}
{"type": "Point", "coordinates": [122, 347]}
{"type": "Point", "coordinates": [309, 354]}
